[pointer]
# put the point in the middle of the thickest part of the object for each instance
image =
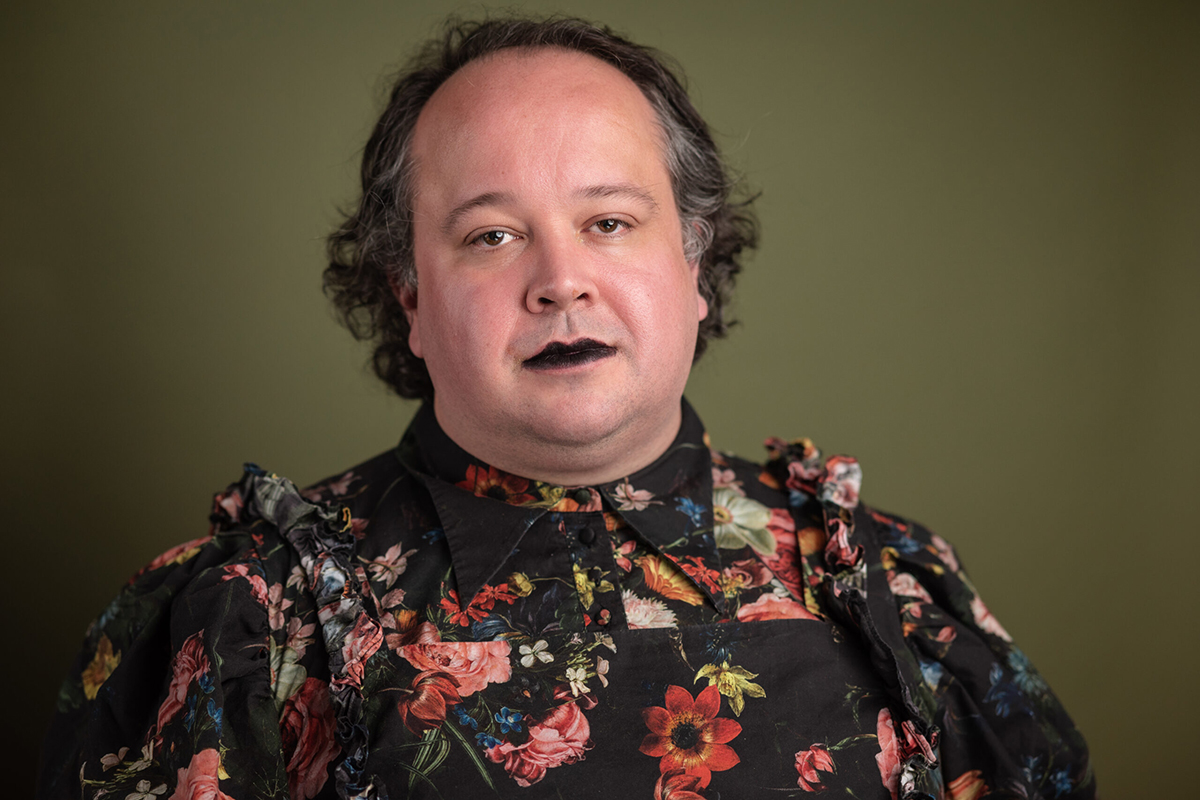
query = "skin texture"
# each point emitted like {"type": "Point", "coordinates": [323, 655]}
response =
{"type": "Point", "coordinates": [544, 213]}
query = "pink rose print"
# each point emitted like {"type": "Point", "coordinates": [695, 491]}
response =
{"type": "Point", "coordinates": [200, 779]}
{"type": "Point", "coordinates": [189, 664]}
{"type": "Point", "coordinates": [560, 738]}
{"type": "Point", "coordinates": [808, 762]}
{"type": "Point", "coordinates": [306, 728]}
{"type": "Point", "coordinates": [472, 664]}
{"type": "Point", "coordinates": [772, 606]}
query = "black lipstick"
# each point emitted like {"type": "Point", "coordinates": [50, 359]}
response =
{"type": "Point", "coordinates": [558, 355]}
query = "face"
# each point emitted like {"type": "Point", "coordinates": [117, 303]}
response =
{"type": "Point", "coordinates": [554, 307]}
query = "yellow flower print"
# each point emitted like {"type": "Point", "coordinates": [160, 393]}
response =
{"type": "Point", "coordinates": [519, 584]}
{"type": "Point", "coordinates": [101, 666]}
{"type": "Point", "coordinates": [733, 682]}
{"type": "Point", "coordinates": [585, 586]}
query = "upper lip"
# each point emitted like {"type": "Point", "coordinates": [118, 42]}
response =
{"type": "Point", "coordinates": [568, 348]}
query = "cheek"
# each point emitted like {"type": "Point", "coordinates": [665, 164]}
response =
{"type": "Point", "coordinates": [463, 327]}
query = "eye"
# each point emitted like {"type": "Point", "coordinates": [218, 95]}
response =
{"type": "Point", "coordinates": [611, 225]}
{"type": "Point", "coordinates": [492, 238]}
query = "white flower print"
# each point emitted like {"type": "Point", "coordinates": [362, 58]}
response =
{"type": "Point", "coordinates": [739, 521]}
{"type": "Point", "coordinates": [535, 653]}
{"type": "Point", "coordinates": [577, 677]}
{"type": "Point", "coordinates": [143, 791]}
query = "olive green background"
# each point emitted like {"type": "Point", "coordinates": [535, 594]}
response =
{"type": "Point", "coordinates": [979, 274]}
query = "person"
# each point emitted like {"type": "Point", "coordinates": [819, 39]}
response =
{"type": "Point", "coordinates": [553, 586]}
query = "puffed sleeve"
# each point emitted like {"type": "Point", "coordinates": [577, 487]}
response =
{"type": "Point", "coordinates": [203, 678]}
{"type": "Point", "coordinates": [1001, 727]}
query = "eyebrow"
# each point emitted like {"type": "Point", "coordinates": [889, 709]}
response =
{"type": "Point", "coordinates": [621, 190]}
{"type": "Point", "coordinates": [601, 191]}
{"type": "Point", "coordinates": [479, 201]}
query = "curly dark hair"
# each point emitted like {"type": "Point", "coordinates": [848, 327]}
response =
{"type": "Point", "coordinates": [373, 249]}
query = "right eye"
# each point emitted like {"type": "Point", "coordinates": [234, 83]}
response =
{"type": "Point", "coordinates": [492, 238]}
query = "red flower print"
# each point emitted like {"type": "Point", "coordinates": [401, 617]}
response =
{"type": "Point", "coordinates": [258, 587]}
{"type": "Point", "coordinates": [772, 606]}
{"type": "Point", "coordinates": [689, 735]}
{"type": "Point", "coordinates": [490, 595]}
{"type": "Point", "coordinates": [307, 728]}
{"type": "Point", "coordinates": [200, 779]}
{"type": "Point", "coordinates": [424, 706]}
{"type": "Point", "coordinates": [968, 786]}
{"type": "Point", "coordinates": [176, 555]}
{"type": "Point", "coordinates": [837, 548]}
{"type": "Point", "coordinates": [480, 607]}
{"type": "Point", "coordinates": [676, 784]}
{"type": "Point", "coordinates": [363, 641]}
{"type": "Point", "coordinates": [190, 663]}
{"type": "Point", "coordinates": [888, 757]}
{"type": "Point", "coordinates": [621, 554]}
{"type": "Point", "coordinates": [841, 482]}
{"type": "Point", "coordinates": [808, 762]}
{"type": "Point", "coordinates": [497, 485]}
{"type": "Point", "coordinates": [699, 572]}
{"type": "Point", "coordinates": [561, 737]}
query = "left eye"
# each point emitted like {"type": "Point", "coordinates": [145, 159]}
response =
{"type": "Point", "coordinates": [610, 225]}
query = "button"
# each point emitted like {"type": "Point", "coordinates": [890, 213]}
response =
{"type": "Point", "coordinates": [583, 496]}
{"type": "Point", "coordinates": [587, 536]}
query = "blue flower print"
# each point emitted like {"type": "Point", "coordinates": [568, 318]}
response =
{"type": "Point", "coordinates": [932, 672]}
{"type": "Point", "coordinates": [206, 683]}
{"type": "Point", "coordinates": [694, 510]}
{"type": "Point", "coordinates": [1025, 676]}
{"type": "Point", "coordinates": [486, 740]}
{"type": "Point", "coordinates": [464, 718]}
{"type": "Point", "coordinates": [508, 720]}
{"type": "Point", "coordinates": [720, 641]}
{"type": "Point", "coordinates": [1032, 769]}
{"type": "Point", "coordinates": [435, 535]}
{"type": "Point", "coordinates": [217, 714]}
{"type": "Point", "coordinates": [190, 717]}
{"type": "Point", "coordinates": [1061, 780]}
{"type": "Point", "coordinates": [1005, 695]}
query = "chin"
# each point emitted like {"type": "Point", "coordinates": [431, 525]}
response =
{"type": "Point", "coordinates": [580, 421]}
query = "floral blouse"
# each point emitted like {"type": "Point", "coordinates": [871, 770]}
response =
{"type": "Point", "coordinates": [427, 626]}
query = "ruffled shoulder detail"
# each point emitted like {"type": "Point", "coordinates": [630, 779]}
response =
{"type": "Point", "coordinates": [835, 483]}
{"type": "Point", "coordinates": [322, 535]}
{"type": "Point", "coordinates": [232, 611]}
{"type": "Point", "coordinates": [966, 704]}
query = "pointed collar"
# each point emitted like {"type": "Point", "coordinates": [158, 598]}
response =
{"type": "Point", "coordinates": [485, 512]}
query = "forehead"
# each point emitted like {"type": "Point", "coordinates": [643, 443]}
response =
{"type": "Point", "coordinates": [535, 115]}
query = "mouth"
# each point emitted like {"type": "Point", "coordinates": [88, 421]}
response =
{"type": "Point", "coordinates": [558, 355]}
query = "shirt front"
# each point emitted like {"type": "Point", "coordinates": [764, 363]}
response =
{"type": "Point", "coordinates": [426, 625]}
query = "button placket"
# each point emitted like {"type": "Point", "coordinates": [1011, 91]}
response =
{"type": "Point", "coordinates": [597, 574]}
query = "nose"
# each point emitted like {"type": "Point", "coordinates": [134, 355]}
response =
{"type": "Point", "coordinates": [560, 275]}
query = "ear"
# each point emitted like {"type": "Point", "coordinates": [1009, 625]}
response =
{"type": "Point", "coordinates": [701, 303]}
{"type": "Point", "coordinates": [406, 294]}
{"type": "Point", "coordinates": [694, 266]}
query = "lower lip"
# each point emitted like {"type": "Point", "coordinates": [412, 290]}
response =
{"type": "Point", "coordinates": [571, 361]}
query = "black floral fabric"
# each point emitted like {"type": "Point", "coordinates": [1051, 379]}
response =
{"type": "Point", "coordinates": [426, 625]}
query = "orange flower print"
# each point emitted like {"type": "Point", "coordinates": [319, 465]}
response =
{"type": "Point", "coordinates": [688, 734]}
{"type": "Point", "coordinates": [664, 579]}
{"type": "Point", "coordinates": [497, 485]}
